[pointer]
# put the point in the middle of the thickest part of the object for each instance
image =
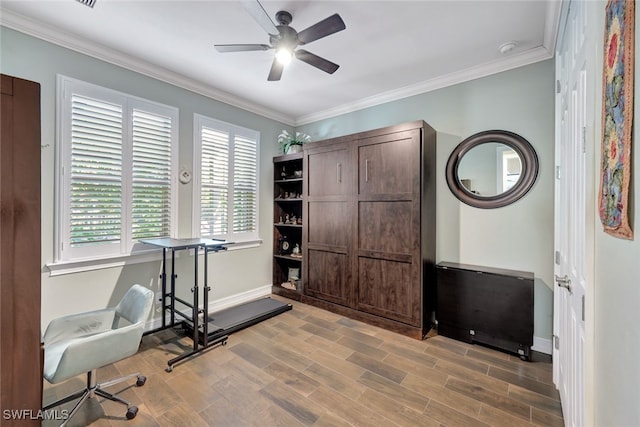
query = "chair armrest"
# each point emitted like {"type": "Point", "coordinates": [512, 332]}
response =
{"type": "Point", "coordinates": [84, 354]}
{"type": "Point", "coordinates": [78, 325]}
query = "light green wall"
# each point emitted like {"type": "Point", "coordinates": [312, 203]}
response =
{"type": "Point", "coordinates": [519, 236]}
{"type": "Point", "coordinates": [617, 283]}
{"type": "Point", "coordinates": [520, 100]}
{"type": "Point", "coordinates": [233, 273]}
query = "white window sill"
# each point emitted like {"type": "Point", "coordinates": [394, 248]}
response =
{"type": "Point", "coordinates": [245, 245]}
{"type": "Point", "coordinates": [60, 268]}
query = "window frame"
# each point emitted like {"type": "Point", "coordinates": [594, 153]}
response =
{"type": "Point", "coordinates": [240, 239]}
{"type": "Point", "coordinates": [104, 254]}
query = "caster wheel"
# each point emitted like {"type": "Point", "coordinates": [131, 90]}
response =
{"type": "Point", "coordinates": [132, 412]}
{"type": "Point", "coordinates": [169, 369]}
{"type": "Point", "coordinates": [224, 343]}
{"type": "Point", "coordinates": [141, 380]}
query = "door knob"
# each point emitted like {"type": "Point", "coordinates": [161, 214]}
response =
{"type": "Point", "coordinates": [564, 282]}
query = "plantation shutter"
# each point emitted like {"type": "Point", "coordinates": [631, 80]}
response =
{"type": "Point", "coordinates": [151, 175]}
{"type": "Point", "coordinates": [117, 172]}
{"type": "Point", "coordinates": [214, 181]}
{"type": "Point", "coordinates": [227, 180]}
{"type": "Point", "coordinates": [245, 185]}
{"type": "Point", "coordinates": [96, 172]}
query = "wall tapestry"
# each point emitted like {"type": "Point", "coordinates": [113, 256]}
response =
{"type": "Point", "coordinates": [617, 117]}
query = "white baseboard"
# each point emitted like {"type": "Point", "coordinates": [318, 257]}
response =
{"type": "Point", "coordinates": [542, 345]}
{"type": "Point", "coordinates": [218, 305]}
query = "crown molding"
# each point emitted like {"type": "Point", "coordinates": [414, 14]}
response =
{"type": "Point", "coordinates": [552, 24]}
{"type": "Point", "coordinates": [53, 35]}
{"type": "Point", "coordinates": [540, 53]}
{"type": "Point", "coordinates": [513, 61]}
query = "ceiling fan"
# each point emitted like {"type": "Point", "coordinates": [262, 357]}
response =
{"type": "Point", "coordinates": [284, 39]}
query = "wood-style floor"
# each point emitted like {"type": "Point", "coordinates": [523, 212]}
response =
{"type": "Point", "coordinates": [310, 367]}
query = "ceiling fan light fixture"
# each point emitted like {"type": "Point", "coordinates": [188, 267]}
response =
{"type": "Point", "coordinates": [89, 3]}
{"type": "Point", "coordinates": [284, 55]}
{"type": "Point", "coordinates": [286, 40]}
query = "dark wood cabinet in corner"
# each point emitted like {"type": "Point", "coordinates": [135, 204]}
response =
{"type": "Point", "coordinates": [369, 236]}
{"type": "Point", "coordinates": [487, 305]}
{"type": "Point", "coordinates": [287, 225]}
{"type": "Point", "coordinates": [21, 357]}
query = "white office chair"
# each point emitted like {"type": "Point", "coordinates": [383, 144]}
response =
{"type": "Point", "coordinates": [82, 343]}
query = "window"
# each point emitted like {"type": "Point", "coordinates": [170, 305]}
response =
{"type": "Point", "coordinates": [511, 169]}
{"type": "Point", "coordinates": [226, 181]}
{"type": "Point", "coordinates": [116, 159]}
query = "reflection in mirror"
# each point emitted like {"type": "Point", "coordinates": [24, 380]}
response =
{"type": "Point", "coordinates": [492, 169]}
{"type": "Point", "coordinates": [489, 169]}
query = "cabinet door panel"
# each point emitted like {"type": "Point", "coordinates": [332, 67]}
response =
{"type": "Point", "coordinates": [328, 276]}
{"type": "Point", "coordinates": [329, 224]}
{"type": "Point", "coordinates": [329, 173]}
{"type": "Point", "coordinates": [387, 288]}
{"type": "Point", "coordinates": [386, 227]}
{"type": "Point", "coordinates": [20, 240]}
{"type": "Point", "coordinates": [389, 167]}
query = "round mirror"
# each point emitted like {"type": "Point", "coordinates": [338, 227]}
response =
{"type": "Point", "coordinates": [492, 169]}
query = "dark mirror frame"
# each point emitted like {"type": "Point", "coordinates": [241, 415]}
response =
{"type": "Point", "coordinates": [528, 176]}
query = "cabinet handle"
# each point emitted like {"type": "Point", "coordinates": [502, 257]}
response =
{"type": "Point", "coordinates": [366, 170]}
{"type": "Point", "coordinates": [339, 173]}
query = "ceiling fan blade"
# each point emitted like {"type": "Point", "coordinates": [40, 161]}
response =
{"type": "Point", "coordinates": [318, 62]}
{"type": "Point", "coordinates": [241, 47]}
{"type": "Point", "coordinates": [324, 28]}
{"type": "Point", "coordinates": [276, 71]}
{"type": "Point", "coordinates": [258, 13]}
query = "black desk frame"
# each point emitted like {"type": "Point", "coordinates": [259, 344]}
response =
{"type": "Point", "coordinates": [169, 298]}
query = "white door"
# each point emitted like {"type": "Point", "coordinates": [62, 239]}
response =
{"type": "Point", "coordinates": [571, 213]}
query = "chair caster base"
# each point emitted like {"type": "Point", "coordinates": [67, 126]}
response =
{"type": "Point", "coordinates": [132, 412]}
{"type": "Point", "coordinates": [141, 380]}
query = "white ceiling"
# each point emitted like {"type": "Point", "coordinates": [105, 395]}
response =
{"type": "Point", "coordinates": [389, 50]}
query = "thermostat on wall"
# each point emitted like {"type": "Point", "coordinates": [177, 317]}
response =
{"type": "Point", "coordinates": [185, 176]}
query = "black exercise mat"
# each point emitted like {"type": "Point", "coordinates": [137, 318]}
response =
{"type": "Point", "coordinates": [233, 319]}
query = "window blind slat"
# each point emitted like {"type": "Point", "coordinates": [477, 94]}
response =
{"type": "Point", "coordinates": [228, 180]}
{"type": "Point", "coordinates": [151, 175]}
{"type": "Point", "coordinates": [95, 214]}
{"type": "Point", "coordinates": [245, 185]}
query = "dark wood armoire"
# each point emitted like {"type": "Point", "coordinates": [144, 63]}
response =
{"type": "Point", "coordinates": [369, 238]}
{"type": "Point", "coordinates": [20, 265]}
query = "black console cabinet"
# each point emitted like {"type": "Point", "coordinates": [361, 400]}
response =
{"type": "Point", "coordinates": [486, 305]}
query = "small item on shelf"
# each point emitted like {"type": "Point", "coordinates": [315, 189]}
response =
{"type": "Point", "coordinates": [291, 285]}
{"type": "Point", "coordinates": [294, 274]}
{"type": "Point", "coordinates": [297, 174]}
{"type": "Point", "coordinates": [280, 220]}
{"type": "Point", "coordinates": [296, 252]}
{"type": "Point", "coordinates": [283, 245]}
{"type": "Point", "coordinates": [300, 221]}
{"type": "Point", "coordinates": [294, 220]}
{"type": "Point", "coordinates": [283, 174]}
{"type": "Point", "coordinates": [286, 195]}
{"type": "Point", "coordinates": [290, 143]}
